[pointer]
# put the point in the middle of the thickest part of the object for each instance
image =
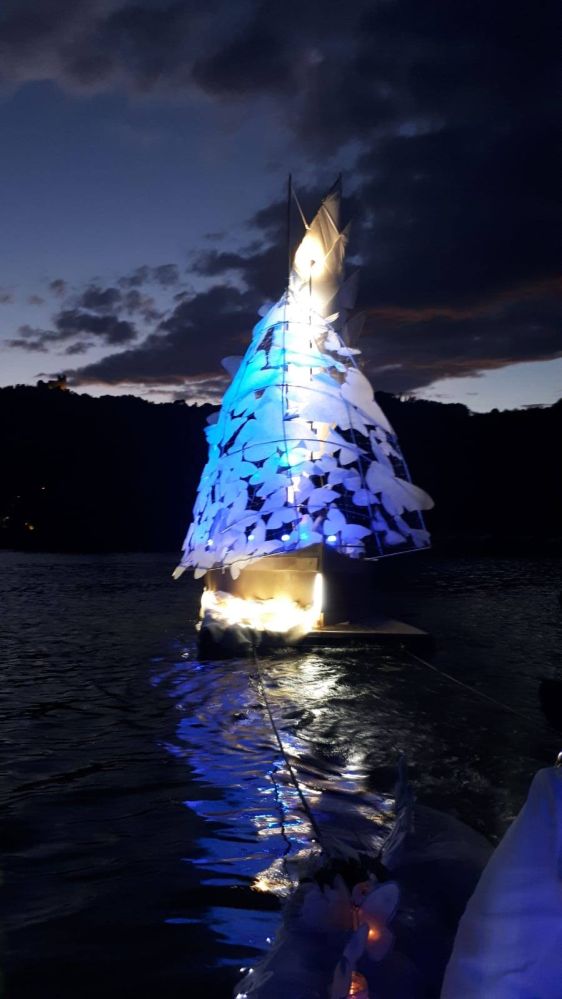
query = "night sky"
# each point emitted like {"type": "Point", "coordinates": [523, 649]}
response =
{"type": "Point", "coordinates": [145, 154]}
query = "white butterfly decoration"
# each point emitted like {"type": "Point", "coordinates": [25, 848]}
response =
{"type": "Point", "coordinates": [300, 452]}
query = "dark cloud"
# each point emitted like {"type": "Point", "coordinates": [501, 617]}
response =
{"type": "Point", "coordinates": [458, 213]}
{"type": "Point", "coordinates": [134, 302]}
{"type": "Point", "coordinates": [455, 111]}
{"type": "Point", "coordinates": [100, 299]}
{"type": "Point", "coordinates": [456, 184]}
{"type": "Point", "coordinates": [89, 44]}
{"type": "Point", "coordinates": [448, 117]}
{"type": "Point", "coordinates": [58, 287]}
{"type": "Point", "coordinates": [282, 50]}
{"type": "Point", "coordinates": [6, 297]}
{"type": "Point", "coordinates": [406, 349]}
{"type": "Point", "coordinates": [253, 61]}
{"type": "Point", "coordinates": [218, 262]}
{"type": "Point", "coordinates": [414, 66]}
{"type": "Point", "coordinates": [128, 297]}
{"type": "Point", "coordinates": [75, 325]}
{"type": "Point", "coordinates": [263, 263]}
{"type": "Point", "coordinates": [165, 275]}
{"type": "Point", "coordinates": [78, 348]}
{"type": "Point", "coordinates": [135, 280]}
{"type": "Point", "coordinates": [74, 322]}
{"type": "Point", "coordinates": [100, 315]}
{"type": "Point", "coordinates": [30, 339]}
{"type": "Point", "coordinates": [187, 345]}
{"type": "Point", "coordinates": [35, 300]}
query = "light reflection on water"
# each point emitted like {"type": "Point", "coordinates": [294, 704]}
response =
{"type": "Point", "coordinates": [260, 835]}
{"type": "Point", "coordinates": [145, 794]}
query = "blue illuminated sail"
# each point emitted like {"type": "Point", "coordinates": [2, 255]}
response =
{"type": "Point", "coordinates": [300, 453]}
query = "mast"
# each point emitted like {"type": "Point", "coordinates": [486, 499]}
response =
{"type": "Point", "coordinates": [289, 199]}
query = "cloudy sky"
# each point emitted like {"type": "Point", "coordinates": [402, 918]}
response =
{"type": "Point", "coordinates": [145, 153]}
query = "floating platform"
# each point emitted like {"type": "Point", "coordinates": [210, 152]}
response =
{"type": "Point", "coordinates": [382, 632]}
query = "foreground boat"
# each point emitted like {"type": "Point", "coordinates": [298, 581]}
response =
{"type": "Point", "coordinates": [386, 930]}
{"type": "Point", "coordinates": [376, 927]}
{"type": "Point", "coordinates": [509, 941]}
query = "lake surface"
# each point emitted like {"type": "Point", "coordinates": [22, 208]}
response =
{"type": "Point", "coordinates": [148, 819]}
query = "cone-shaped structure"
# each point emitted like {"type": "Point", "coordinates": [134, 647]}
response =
{"type": "Point", "coordinates": [300, 452]}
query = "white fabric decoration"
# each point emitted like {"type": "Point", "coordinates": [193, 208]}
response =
{"type": "Point", "coordinates": [300, 451]}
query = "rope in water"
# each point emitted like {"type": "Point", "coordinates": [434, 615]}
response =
{"type": "Point", "coordinates": [282, 750]}
{"type": "Point", "coordinates": [290, 769]}
{"type": "Point", "coordinates": [473, 690]}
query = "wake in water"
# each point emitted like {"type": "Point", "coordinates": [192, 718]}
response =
{"type": "Point", "coordinates": [328, 879]}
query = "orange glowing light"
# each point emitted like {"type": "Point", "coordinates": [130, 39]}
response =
{"type": "Point", "coordinates": [374, 933]}
{"type": "Point", "coordinates": [279, 614]}
{"type": "Point", "coordinates": [359, 988]}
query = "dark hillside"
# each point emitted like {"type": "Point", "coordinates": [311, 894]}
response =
{"type": "Point", "coordinates": [110, 474]}
{"type": "Point", "coordinates": [96, 474]}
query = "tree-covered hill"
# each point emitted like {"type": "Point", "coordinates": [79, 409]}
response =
{"type": "Point", "coordinates": [120, 473]}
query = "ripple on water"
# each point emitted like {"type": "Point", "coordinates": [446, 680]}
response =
{"type": "Point", "coordinates": [150, 825]}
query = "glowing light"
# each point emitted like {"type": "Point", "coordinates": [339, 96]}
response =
{"type": "Point", "coordinates": [318, 597]}
{"type": "Point", "coordinates": [273, 881]}
{"type": "Point", "coordinates": [280, 450]}
{"type": "Point", "coordinates": [309, 258]}
{"type": "Point", "coordinates": [279, 615]}
{"type": "Point", "coordinates": [374, 933]}
{"type": "Point", "coordinates": [359, 988]}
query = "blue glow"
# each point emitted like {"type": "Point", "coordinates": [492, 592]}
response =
{"type": "Point", "coordinates": [252, 833]}
{"type": "Point", "coordinates": [283, 453]}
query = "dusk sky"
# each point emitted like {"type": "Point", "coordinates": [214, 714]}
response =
{"type": "Point", "coordinates": [145, 154]}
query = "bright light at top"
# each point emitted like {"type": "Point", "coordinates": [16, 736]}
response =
{"type": "Point", "coordinates": [309, 258]}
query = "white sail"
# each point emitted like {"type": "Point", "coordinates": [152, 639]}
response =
{"type": "Point", "coordinates": [300, 452]}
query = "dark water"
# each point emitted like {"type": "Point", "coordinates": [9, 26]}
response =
{"type": "Point", "coordinates": [149, 826]}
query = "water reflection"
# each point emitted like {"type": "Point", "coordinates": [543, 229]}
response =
{"type": "Point", "coordinates": [259, 837]}
{"type": "Point", "coordinates": [102, 859]}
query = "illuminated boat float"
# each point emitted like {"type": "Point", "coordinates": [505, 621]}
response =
{"type": "Point", "coordinates": [305, 479]}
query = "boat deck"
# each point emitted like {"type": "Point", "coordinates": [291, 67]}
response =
{"type": "Point", "coordinates": [381, 632]}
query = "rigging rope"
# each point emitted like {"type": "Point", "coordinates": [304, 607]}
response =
{"type": "Point", "coordinates": [473, 690]}
{"type": "Point", "coordinates": [298, 204]}
{"type": "Point", "coordinates": [282, 750]}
